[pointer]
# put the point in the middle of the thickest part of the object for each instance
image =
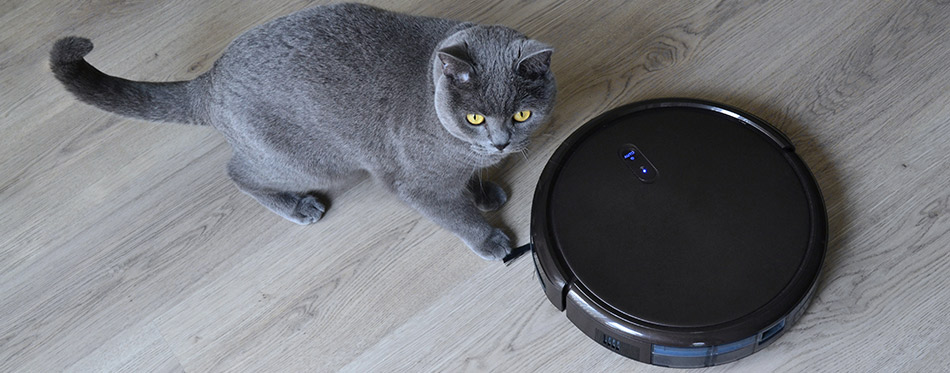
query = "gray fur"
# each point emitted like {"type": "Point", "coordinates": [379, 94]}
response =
{"type": "Point", "coordinates": [167, 102]}
{"type": "Point", "coordinates": [329, 93]}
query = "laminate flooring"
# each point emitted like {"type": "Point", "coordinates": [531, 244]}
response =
{"type": "Point", "coordinates": [124, 246]}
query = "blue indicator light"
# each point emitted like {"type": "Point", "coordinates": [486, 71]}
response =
{"type": "Point", "coordinates": [680, 351]}
{"type": "Point", "coordinates": [637, 163]}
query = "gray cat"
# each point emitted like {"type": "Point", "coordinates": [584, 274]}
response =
{"type": "Point", "coordinates": [327, 94]}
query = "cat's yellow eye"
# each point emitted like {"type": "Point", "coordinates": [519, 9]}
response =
{"type": "Point", "coordinates": [522, 116]}
{"type": "Point", "coordinates": [475, 119]}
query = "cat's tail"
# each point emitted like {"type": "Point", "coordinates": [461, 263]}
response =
{"type": "Point", "coordinates": [166, 102]}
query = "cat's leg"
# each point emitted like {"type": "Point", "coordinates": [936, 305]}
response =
{"type": "Point", "coordinates": [300, 208]}
{"type": "Point", "coordinates": [487, 195]}
{"type": "Point", "coordinates": [456, 213]}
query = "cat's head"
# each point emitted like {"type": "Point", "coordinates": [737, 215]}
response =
{"type": "Point", "coordinates": [493, 87]}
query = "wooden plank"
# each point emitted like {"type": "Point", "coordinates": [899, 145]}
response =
{"type": "Point", "coordinates": [124, 247]}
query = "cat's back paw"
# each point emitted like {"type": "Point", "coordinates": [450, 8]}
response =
{"type": "Point", "coordinates": [309, 210]}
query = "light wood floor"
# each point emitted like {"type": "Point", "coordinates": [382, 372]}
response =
{"type": "Point", "coordinates": [124, 247]}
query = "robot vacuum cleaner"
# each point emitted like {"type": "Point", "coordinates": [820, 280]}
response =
{"type": "Point", "coordinates": [680, 233]}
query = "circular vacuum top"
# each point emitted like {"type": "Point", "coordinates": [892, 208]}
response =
{"type": "Point", "coordinates": [680, 213]}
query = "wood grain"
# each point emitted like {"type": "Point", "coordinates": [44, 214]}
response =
{"type": "Point", "coordinates": [124, 247]}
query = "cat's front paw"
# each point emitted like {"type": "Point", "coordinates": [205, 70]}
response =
{"type": "Point", "coordinates": [489, 196]}
{"type": "Point", "coordinates": [495, 247]}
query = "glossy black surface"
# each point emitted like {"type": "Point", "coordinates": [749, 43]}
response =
{"type": "Point", "coordinates": [675, 227]}
{"type": "Point", "coordinates": [716, 233]}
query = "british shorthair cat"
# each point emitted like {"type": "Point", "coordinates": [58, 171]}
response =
{"type": "Point", "coordinates": [308, 100]}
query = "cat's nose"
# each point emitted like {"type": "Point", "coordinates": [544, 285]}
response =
{"type": "Point", "coordinates": [501, 147]}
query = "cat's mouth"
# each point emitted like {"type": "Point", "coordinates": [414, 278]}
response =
{"type": "Point", "coordinates": [498, 151]}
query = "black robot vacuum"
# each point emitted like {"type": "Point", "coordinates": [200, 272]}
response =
{"type": "Point", "coordinates": [678, 232]}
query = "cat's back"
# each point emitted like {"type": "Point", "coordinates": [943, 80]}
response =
{"type": "Point", "coordinates": [335, 78]}
{"type": "Point", "coordinates": [342, 46]}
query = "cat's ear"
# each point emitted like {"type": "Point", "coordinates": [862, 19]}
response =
{"type": "Point", "coordinates": [456, 64]}
{"type": "Point", "coordinates": [535, 59]}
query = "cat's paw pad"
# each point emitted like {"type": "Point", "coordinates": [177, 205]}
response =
{"type": "Point", "coordinates": [308, 211]}
{"type": "Point", "coordinates": [491, 197]}
{"type": "Point", "coordinates": [495, 247]}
